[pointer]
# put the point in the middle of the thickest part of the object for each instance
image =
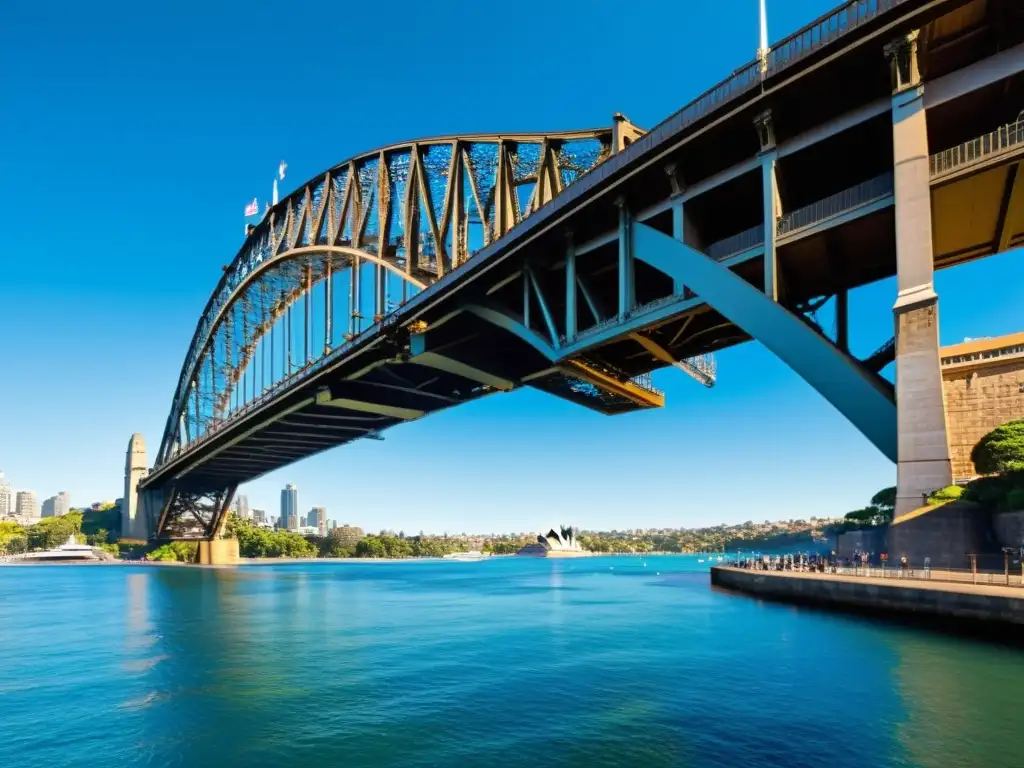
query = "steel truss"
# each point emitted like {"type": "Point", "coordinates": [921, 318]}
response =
{"type": "Point", "coordinates": [348, 248]}
{"type": "Point", "coordinates": [194, 516]}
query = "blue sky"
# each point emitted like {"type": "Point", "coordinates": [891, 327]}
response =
{"type": "Point", "coordinates": [140, 131]}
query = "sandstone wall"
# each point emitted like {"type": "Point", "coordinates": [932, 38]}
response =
{"type": "Point", "coordinates": [979, 397]}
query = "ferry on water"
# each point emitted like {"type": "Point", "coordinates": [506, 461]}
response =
{"type": "Point", "coordinates": [470, 556]}
{"type": "Point", "coordinates": [70, 551]}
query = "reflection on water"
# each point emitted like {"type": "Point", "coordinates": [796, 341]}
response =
{"type": "Point", "coordinates": [588, 662]}
{"type": "Point", "coordinates": [962, 702]}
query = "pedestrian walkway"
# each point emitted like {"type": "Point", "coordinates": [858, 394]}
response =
{"type": "Point", "coordinates": [934, 583]}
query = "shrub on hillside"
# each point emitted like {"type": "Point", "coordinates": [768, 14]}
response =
{"type": "Point", "coordinates": [949, 493]}
{"type": "Point", "coordinates": [987, 491]}
{"type": "Point", "coordinates": [1001, 450]}
{"type": "Point", "coordinates": [175, 552]}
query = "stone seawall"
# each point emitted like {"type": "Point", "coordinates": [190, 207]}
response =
{"type": "Point", "coordinates": [962, 604]}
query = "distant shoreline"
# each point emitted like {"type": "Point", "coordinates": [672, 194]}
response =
{"type": "Point", "coordinates": [263, 561]}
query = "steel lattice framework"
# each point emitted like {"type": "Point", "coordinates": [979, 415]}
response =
{"type": "Point", "coordinates": [348, 248]}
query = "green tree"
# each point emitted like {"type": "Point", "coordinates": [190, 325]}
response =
{"type": "Point", "coordinates": [175, 552]}
{"type": "Point", "coordinates": [106, 519]}
{"type": "Point", "coordinates": [256, 542]}
{"type": "Point", "coordinates": [371, 546]}
{"type": "Point", "coordinates": [1001, 450]}
{"type": "Point", "coordinates": [12, 538]}
{"type": "Point", "coordinates": [884, 500]}
{"type": "Point", "coordinates": [332, 547]}
{"type": "Point", "coordinates": [51, 532]}
{"type": "Point", "coordinates": [98, 537]}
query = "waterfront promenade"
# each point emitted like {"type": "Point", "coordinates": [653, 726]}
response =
{"type": "Point", "coordinates": [970, 605]}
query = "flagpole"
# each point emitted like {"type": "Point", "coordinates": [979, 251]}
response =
{"type": "Point", "coordinates": [275, 192]}
{"type": "Point", "coordinates": [762, 51]}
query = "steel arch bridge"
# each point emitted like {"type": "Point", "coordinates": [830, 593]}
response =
{"type": "Point", "coordinates": [429, 274]}
{"type": "Point", "coordinates": [337, 260]}
{"type": "Point", "coordinates": [356, 243]}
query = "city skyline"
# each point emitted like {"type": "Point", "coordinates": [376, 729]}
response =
{"type": "Point", "coordinates": [517, 460]}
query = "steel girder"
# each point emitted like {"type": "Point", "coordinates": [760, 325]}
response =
{"type": "Point", "coordinates": [191, 516]}
{"type": "Point", "coordinates": [379, 227]}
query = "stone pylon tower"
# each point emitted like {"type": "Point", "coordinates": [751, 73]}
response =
{"type": "Point", "coordinates": [134, 524]}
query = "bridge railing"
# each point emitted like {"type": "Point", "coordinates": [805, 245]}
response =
{"type": "Point", "coordinates": [1010, 577]}
{"type": "Point", "coordinates": [1000, 141]}
{"type": "Point", "coordinates": [742, 241]}
{"type": "Point", "coordinates": [825, 30]}
{"type": "Point", "coordinates": [644, 381]}
{"type": "Point", "coordinates": [854, 197]}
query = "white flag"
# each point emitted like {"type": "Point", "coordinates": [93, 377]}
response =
{"type": "Point", "coordinates": [252, 208]}
{"type": "Point", "coordinates": [280, 170]}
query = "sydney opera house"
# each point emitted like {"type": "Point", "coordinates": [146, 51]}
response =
{"type": "Point", "coordinates": [557, 542]}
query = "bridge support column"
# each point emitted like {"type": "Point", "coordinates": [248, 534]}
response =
{"type": "Point", "coordinates": [218, 552]}
{"type": "Point", "coordinates": [924, 462]}
{"type": "Point", "coordinates": [772, 202]}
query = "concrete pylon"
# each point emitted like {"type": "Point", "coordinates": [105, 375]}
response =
{"type": "Point", "coordinates": [924, 458]}
{"type": "Point", "coordinates": [134, 524]}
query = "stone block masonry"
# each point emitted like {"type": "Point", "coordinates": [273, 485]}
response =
{"type": "Point", "coordinates": [983, 386]}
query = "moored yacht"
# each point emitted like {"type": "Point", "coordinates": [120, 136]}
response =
{"type": "Point", "coordinates": [467, 556]}
{"type": "Point", "coordinates": [69, 551]}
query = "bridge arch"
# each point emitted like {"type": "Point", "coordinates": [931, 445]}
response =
{"type": "Point", "coordinates": [413, 211]}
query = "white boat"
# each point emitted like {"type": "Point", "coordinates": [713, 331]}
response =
{"type": "Point", "coordinates": [69, 551]}
{"type": "Point", "coordinates": [468, 556]}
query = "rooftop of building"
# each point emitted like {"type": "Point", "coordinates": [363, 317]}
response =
{"type": "Point", "coordinates": [1010, 343]}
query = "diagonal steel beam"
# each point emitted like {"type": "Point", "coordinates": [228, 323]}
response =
{"type": "Point", "coordinates": [665, 356]}
{"type": "Point", "coordinates": [835, 375]}
{"type": "Point", "coordinates": [406, 414]}
{"type": "Point", "coordinates": [449, 365]}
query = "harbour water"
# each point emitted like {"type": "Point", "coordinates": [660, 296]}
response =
{"type": "Point", "coordinates": [518, 662]}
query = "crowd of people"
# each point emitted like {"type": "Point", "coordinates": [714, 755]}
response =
{"type": "Point", "coordinates": [797, 562]}
{"type": "Point", "coordinates": [819, 563]}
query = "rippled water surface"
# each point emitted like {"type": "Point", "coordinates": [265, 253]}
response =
{"type": "Point", "coordinates": [602, 661]}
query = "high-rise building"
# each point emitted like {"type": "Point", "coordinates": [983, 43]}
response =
{"type": "Point", "coordinates": [259, 516]}
{"type": "Point", "coordinates": [317, 518]}
{"type": "Point", "coordinates": [58, 505]}
{"type": "Point", "coordinates": [26, 504]}
{"type": "Point", "coordinates": [289, 507]}
{"type": "Point", "coordinates": [242, 507]}
{"type": "Point", "coordinates": [6, 498]}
